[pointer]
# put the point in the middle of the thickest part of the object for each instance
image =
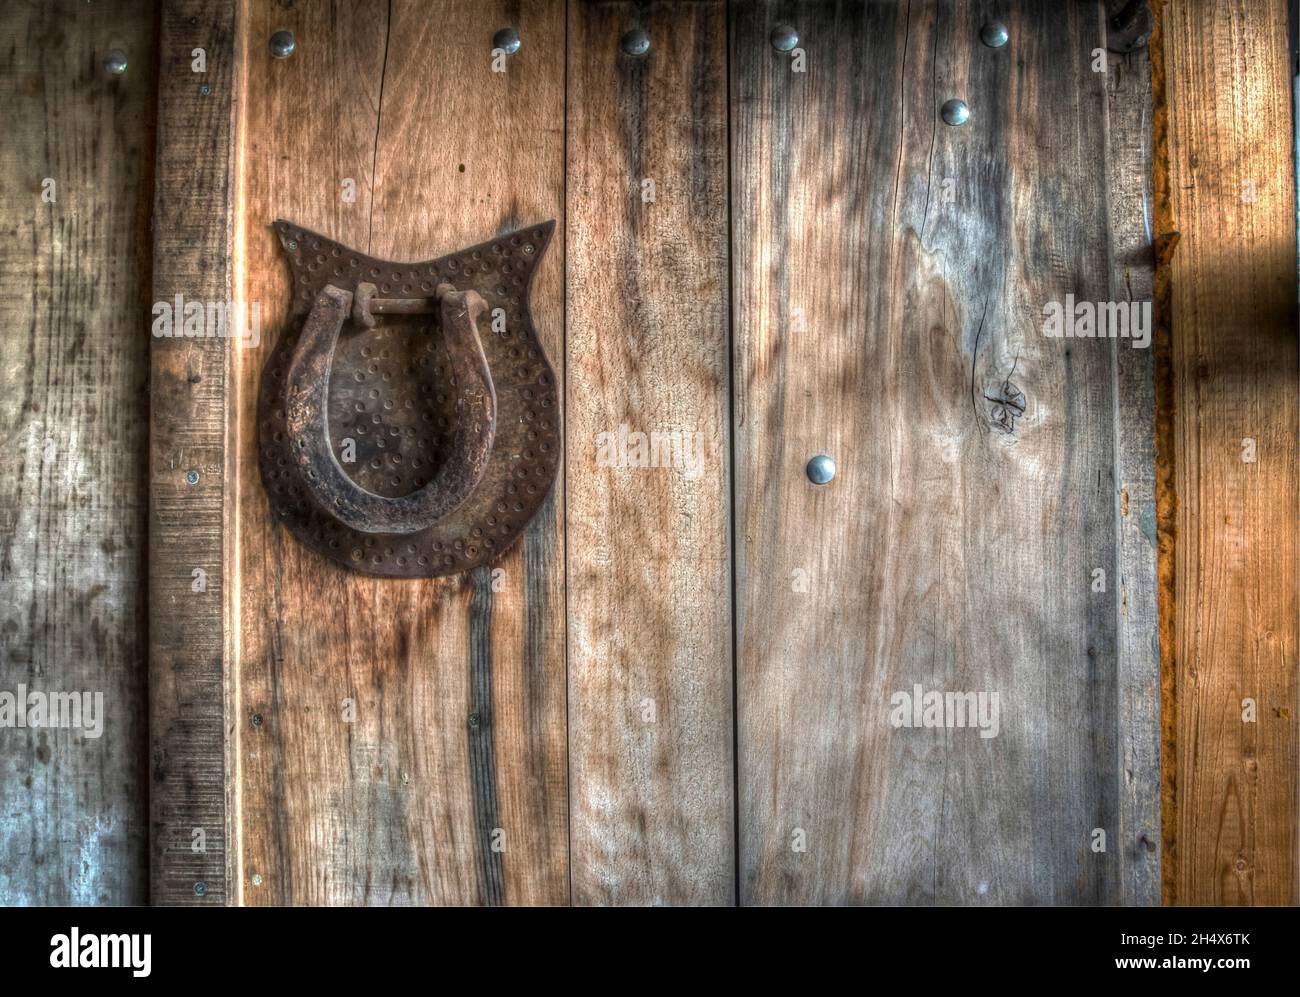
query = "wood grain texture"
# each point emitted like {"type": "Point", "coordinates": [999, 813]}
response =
{"type": "Point", "coordinates": [1230, 606]}
{"type": "Point", "coordinates": [192, 258]}
{"type": "Point", "coordinates": [458, 740]}
{"type": "Point", "coordinates": [650, 669]}
{"type": "Point", "coordinates": [1132, 268]}
{"type": "Point", "coordinates": [890, 274]}
{"type": "Point", "coordinates": [73, 365]}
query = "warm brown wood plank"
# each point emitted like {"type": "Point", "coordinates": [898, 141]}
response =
{"type": "Point", "coordinates": [458, 683]}
{"type": "Point", "coordinates": [74, 275]}
{"type": "Point", "coordinates": [889, 281]}
{"type": "Point", "coordinates": [192, 223]}
{"type": "Point", "coordinates": [1230, 610]}
{"type": "Point", "coordinates": [650, 670]}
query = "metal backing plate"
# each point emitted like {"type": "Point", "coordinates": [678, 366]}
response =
{"type": "Point", "coordinates": [391, 392]}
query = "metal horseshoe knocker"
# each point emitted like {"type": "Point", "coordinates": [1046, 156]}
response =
{"type": "Point", "coordinates": [408, 417]}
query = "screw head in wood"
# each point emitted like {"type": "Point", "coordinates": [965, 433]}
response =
{"type": "Point", "coordinates": [955, 112]}
{"type": "Point", "coordinates": [115, 62]}
{"type": "Point", "coordinates": [821, 469]}
{"type": "Point", "coordinates": [200, 889]}
{"type": "Point", "coordinates": [784, 37]}
{"type": "Point", "coordinates": [283, 44]}
{"type": "Point", "coordinates": [507, 40]}
{"type": "Point", "coordinates": [635, 42]}
{"type": "Point", "coordinates": [994, 34]}
{"type": "Point", "coordinates": [192, 477]}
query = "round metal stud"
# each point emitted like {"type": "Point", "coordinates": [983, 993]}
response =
{"type": "Point", "coordinates": [821, 469]}
{"type": "Point", "coordinates": [115, 62]}
{"type": "Point", "coordinates": [636, 42]}
{"type": "Point", "coordinates": [784, 37]}
{"type": "Point", "coordinates": [192, 477]}
{"type": "Point", "coordinates": [994, 34]}
{"type": "Point", "coordinates": [283, 44]}
{"type": "Point", "coordinates": [200, 889]}
{"type": "Point", "coordinates": [955, 112]}
{"type": "Point", "coordinates": [507, 40]}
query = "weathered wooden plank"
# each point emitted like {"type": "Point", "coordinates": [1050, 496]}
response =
{"type": "Point", "coordinates": [890, 275]}
{"type": "Point", "coordinates": [192, 259]}
{"type": "Point", "coordinates": [457, 744]}
{"type": "Point", "coordinates": [650, 670]}
{"type": "Point", "coordinates": [75, 168]}
{"type": "Point", "coordinates": [1132, 265]}
{"type": "Point", "coordinates": [1230, 612]}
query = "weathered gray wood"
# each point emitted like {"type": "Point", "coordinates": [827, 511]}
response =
{"type": "Point", "coordinates": [890, 274]}
{"type": "Point", "coordinates": [193, 222]}
{"type": "Point", "coordinates": [650, 667]}
{"type": "Point", "coordinates": [1132, 266]}
{"type": "Point", "coordinates": [73, 366]}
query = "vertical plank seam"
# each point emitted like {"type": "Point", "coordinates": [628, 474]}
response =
{"type": "Point", "coordinates": [731, 471]}
{"type": "Point", "coordinates": [1166, 497]}
{"type": "Point", "coordinates": [379, 123]}
{"type": "Point", "coordinates": [481, 746]}
{"type": "Point", "coordinates": [564, 449]}
{"type": "Point", "coordinates": [1117, 482]}
{"type": "Point", "coordinates": [230, 481]}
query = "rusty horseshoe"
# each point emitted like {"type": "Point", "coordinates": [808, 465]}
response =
{"type": "Point", "coordinates": [421, 445]}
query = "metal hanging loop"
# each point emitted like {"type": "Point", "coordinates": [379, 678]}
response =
{"type": "Point", "coordinates": [307, 401]}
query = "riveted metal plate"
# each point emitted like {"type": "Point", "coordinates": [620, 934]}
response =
{"type": "Point", "coordinates": [392, 404]}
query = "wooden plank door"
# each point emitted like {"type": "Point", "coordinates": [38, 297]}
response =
{"type": "Point", "coordinates": [649, 572]}
{"type": "Point", "coordinates": [398, 741]}
{"type": "Point", "coordinates": [765, 253]}
{"type": "Point", "coordinates": [75, 167]}
{"type": "Point", "coordinates": [699, 677]}
{"type": "Point", "coordinates": [890, 275]}
{"type": "Point", "coordinates": [1230, 614]}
